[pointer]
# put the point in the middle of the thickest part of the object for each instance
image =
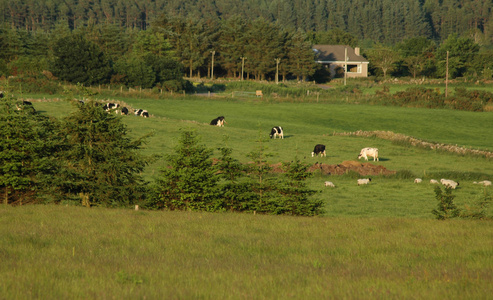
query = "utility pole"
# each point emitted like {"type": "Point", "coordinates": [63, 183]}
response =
{"type": "Point", "coordinates": [446, 78]}
{"type": "Point", "coordinates": [242, 66]}
{"type": "Point", "coordinates": [345, 65]}
{"type": "Point", "coordinates": [278, 60]}
{"type": "Point", "coordinates": [212, 68]}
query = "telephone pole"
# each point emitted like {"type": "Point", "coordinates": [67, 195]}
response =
{"type": "Point", "coordinates": [212, 68]}
{"type": "Point", "coordinates": [242, 66]}
{"type": "Point", "coordinates": [446, 78]}
{"type": "Point", "coordinates": [278, 60]}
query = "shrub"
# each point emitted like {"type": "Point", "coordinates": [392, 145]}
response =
{"type": "Point", "coordinates": [446, 208]}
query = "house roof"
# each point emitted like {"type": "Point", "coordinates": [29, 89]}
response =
{"type": "Point", "coordinates": [335, 53]}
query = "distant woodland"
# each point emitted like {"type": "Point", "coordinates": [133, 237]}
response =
{"type": "Point", "coordinates": [384, 21]}
{"type": "Point", "coordinates": [155, 43]}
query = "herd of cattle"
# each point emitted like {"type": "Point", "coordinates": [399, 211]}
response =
{"type": "Point", "coordinates": [319, 149]}
{"type": "Point", "coordinates": [124, 110]}
{"type": "Point", "coordinates": [277, 131]}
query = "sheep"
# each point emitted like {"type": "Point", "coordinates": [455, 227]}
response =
{"type": "Point", "coordinates": [330, 184]}
{"type": "Point", "coordinates": [364, 181]}
{"type": "Point", "coordinates": [418, 180]}
{"type": "Point", "coordinates": [433, 181]}
{"type": "Point", "coordinates": [484, 182]}
{"type": "Point", "coordinates": [449, 183]}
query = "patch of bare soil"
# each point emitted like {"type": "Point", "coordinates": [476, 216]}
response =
{"type": "Point", "coordinates": [364, 169]}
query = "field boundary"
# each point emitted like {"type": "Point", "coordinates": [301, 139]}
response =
{"type": "Point", "coordinates": [399, 137]}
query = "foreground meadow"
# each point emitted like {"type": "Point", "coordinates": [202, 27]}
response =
{"type": "Point", "coordinates": [59, 252]}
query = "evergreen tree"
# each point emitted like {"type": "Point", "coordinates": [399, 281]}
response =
{"type": "Point", "coordinates": [232, 44]}
{"type": "Point", "coordinates": [135, 72]}
{"type": "Point", "coordinates": [300, 57]}
{"type": "Point", "coordinates": [235, 192]}
{"type": "Point", "coordinates": [78, 60]}
{"type": "Point", "coordinates": [295, 194]}
{"type": "Point", "coordinates": [262, 183]}
{"type": "Point", "coordinates": [446, 207]}
{"type": "Point", "coordinates": [27, 152]}
{"type": "Point", "coordinates": [190, 180]}
{"type": "Point", "coordinates": [102, 165]}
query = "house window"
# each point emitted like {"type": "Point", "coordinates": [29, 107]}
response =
{"type": "Point", "coordinates": [354, 68]}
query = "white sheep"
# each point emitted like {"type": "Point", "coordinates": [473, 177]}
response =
{"type": "Point", "coordinates": [433, 181]}
{"type": "Point", "coordinates": [449, 183]}
{"type": "Point", "coordinates": [484, 182]}
{"type": "Point", "coordinates": [418, 180]}
{"type": "Point", "coordinates": [364, 181]}
{"type": "Point", "coordinates": [328, 183]}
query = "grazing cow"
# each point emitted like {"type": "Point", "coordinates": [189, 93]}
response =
{"type": "Point", "coordinates": [142, 113]}
{"type": "Point", "coordinates": [276, 131]}
{"type": "Point", "coordinates": [25, 104]}
{"type": "Point", "coordinates": [484, 182]}
{"type": "Point", "coordinates": [319, 149]}
{"type": "Point", "coordinates": [434, 181]}
{"type": "Point", "coordinates": [364, 181]}
{"type": "Point", "coordinates": [365, 152]}
{"type": "Point", "coordinates": [219, 121]}
{"type": "Point", "coordinates": [449, 183]}
{"type": "Point", "coordinates": [2, 94]}
{"type": "Point", "coordinates": [110, 106]}
{"type": "Point", "coordinates": [124, 111]}
{"type": "Point", "coordinates": [330, 184]}
{"type": "Point", "coordinates": [418, 180]}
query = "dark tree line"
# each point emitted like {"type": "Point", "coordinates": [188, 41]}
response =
{"type": "Point", "coordinates": [237, 48]}
{"type": "Point", "coordinates": [385, 21]}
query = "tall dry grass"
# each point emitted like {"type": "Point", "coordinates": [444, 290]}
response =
{"type": "Point", "coordinates": [57, 252]}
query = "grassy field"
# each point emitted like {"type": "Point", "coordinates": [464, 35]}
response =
{"type": "Point", "coordinates": [58, 252]}
{"type": "Point", "coordinates": [374, 242]}
{"type": "Point", "coordinates": [307, 124]}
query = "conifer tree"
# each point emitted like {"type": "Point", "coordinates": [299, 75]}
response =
{"type": "Point", "coordinates": [102, 165]}
{"type": "Point", "coordinates": [190, 180]}
{"type": "Point", "coordinates": [27, 146]}
{"type": "Point", "coordinates": [295, 193]}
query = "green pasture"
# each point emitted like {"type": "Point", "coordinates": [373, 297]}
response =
{"type": "Point", "coordinates": [374, 242]}
{"type": "Point", "coordinates": [59, 252]}
{"type": "Point", "coordinates": [306, 124]}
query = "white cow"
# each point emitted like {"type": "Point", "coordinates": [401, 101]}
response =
{"type": "Point", "coordinates": [328, 183]}
{"type": "Point", "coordinates": [434, 181]}
{"type": "Point", "coordinates": [449, 183]}
{"type": "Point", "coordinates": [365, 152]}
{"type": "Point", "coordinates": [418, 180]}
{"type": "Point", "coordinates": [364, 181]}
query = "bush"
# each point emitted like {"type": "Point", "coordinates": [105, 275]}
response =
{"type": "Point", "coordinates": [446, 208]}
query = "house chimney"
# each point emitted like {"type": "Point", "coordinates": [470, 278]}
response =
{"type": "Point", "coordinates": [356, 51]}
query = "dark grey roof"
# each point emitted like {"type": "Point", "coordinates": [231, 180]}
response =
{"type": "Point", "coordinates": [333, 53]}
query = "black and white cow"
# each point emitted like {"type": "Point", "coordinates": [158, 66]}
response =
{"type": "Point", "coordinates": [277, 131]}
{"type": "Point", "coordinates": [124, 111]}
{"type": "Point", "coordinates": [2, 94]}
{"type": "Point", "coordinates": [25, 104]}
{"type": "Point", "coordinates": [110, 106]}
{"type": "Point", "coordinates": [319, 149]}
{"type": "Point", "coordinates": [219, 121]}
{"type": "Point", "coordinates": [142, 113]}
